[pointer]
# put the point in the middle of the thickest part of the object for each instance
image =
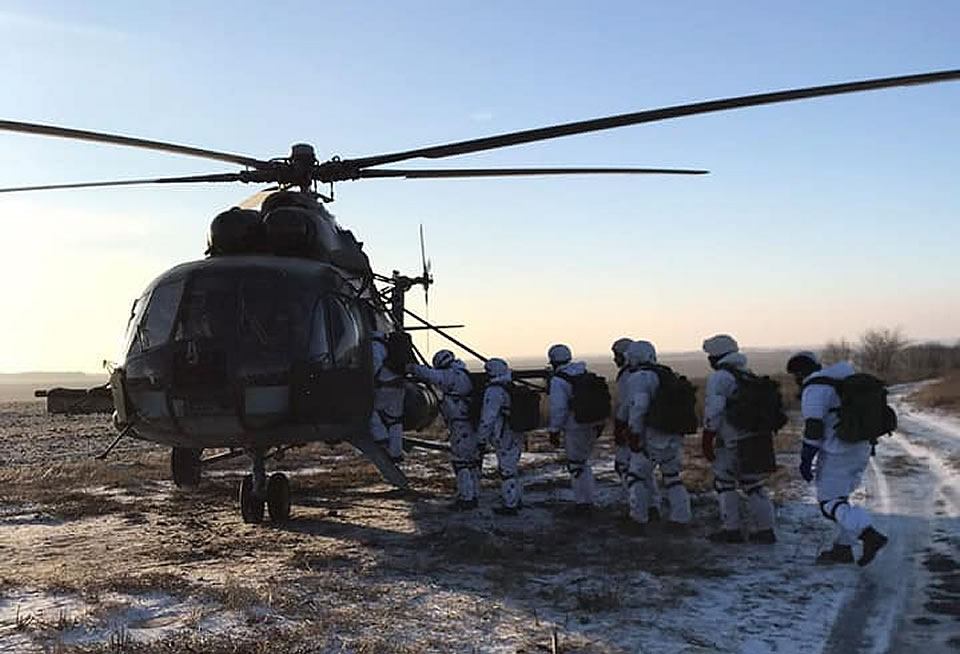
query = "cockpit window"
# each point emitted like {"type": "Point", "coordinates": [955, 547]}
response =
{"type": "Point", "coordinates": [153, 329]}
{"type": "Point", "coordinates": [344, 335]}
{"type": "Point", "coordinates": [319, 352]}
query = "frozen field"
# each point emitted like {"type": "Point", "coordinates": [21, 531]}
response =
{"type": "Point", "coordinates": [109, 557]}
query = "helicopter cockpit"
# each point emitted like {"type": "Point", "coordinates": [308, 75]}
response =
{"type": "Point", "coordinates": [234, 345]}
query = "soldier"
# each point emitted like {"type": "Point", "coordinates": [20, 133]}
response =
{"type": "Point", "coordinates": [651, 447]}
{"type": "Point", "coordinates": [839, 463]}
{"type": "Point", "coordinates": [449, 376]}
{"type": "Point", "coordinates": [579, 437]}
{"type": "Point", "coordinates": [621, 431]}
{"type": "Point", "coordinates": [495, 429]}
{"type": "Point", "coordinates": [720, 446]}
{"type": "Point", "coordinates": [386, 422]}
{"type": "Point", "coordinates": [621, 416]}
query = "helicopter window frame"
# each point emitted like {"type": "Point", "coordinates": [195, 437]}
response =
{"type": "Point", "coordinates": [319, 350]}
{"type": "Point", "coordinates": [164, 305]}
{"type": "Point", "coordinates": [348, 356]}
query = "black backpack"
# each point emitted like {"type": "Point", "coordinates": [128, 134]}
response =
{"type": "Point", "coordinates": [673, 409]}
{"type": "Point", "coordinates": [591, 397]}
{"type": "Point", "coordinates": [756, 407]}
{"type": "Point", "coordinates": [864, 414]}
{"type": "Point", "coordinates": [524, 408]}
{"type": "Point", "coordinates": [478, 384]}
{"type": "Point", "coordinates": [399, 352]}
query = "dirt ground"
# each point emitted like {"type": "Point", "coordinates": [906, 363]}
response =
{"type": "Point", "coordinates": [107, 556]}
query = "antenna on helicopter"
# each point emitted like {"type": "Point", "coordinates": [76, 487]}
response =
{"type": "Point", "coordinates": [426, 279]}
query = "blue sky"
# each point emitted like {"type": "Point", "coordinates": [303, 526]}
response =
{"type": "Point", "coordinates": [820, 219]}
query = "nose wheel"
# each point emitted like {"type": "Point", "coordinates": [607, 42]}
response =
{"type": "Point", "coordinates": [257, 492]}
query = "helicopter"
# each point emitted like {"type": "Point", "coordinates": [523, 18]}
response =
{"type": "Point", "coordinates": [266, 344]}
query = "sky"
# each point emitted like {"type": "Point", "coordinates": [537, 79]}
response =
{"type": "Point", "coordinates": [820, 218]}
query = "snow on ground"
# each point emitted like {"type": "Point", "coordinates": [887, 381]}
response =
{"type": "Point", "coordinates": [97, 554]}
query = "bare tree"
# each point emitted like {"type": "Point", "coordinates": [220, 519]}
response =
{"type": "Point", "coordinates": [835, 351]}
{"type": "Point", "coordinates": [879, 350]}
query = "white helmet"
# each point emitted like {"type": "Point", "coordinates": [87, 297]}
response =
{"type": "Point", "coordinates": [620, 346]}
{"type": "Point", "coordinates": [720, 345]}
{"type": "Point", "coordinates": [443, 359]}
{"type": "Point", "coordinates": [559, 354]}
{"type": "Point", "coordinates": [641, 352]}
{"type": "Point", "coordinates": [496, 368]}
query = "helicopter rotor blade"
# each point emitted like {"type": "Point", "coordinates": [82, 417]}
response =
{"type": "Point", "coordinates": [514, 172]}
{"type": "Point", "coordinates": [219, 177]}
{"type": "Point", "coordinates": [129, 141]}
{"type": "Point", "coordinates": [649, 116]}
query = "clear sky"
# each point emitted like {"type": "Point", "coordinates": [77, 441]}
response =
{"type": "Point", "coordinates": [820, 219]}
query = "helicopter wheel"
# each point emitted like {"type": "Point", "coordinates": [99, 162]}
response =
{"type": "Point", "coordinates": [251, 506]}
{"type": "Point", "coordinates": [185, 466]}
{"type": "Point", "coordinates": [278, 498]}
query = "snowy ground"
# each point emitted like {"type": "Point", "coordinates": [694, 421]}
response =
{"type": "Point", "coordinates": [109, 557]}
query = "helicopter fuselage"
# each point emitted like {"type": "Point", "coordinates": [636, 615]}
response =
{"type": "Point", "coordinates": [251, 351]}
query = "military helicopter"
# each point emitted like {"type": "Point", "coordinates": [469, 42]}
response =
{"type": "Point", "coordinates": [266, 344]}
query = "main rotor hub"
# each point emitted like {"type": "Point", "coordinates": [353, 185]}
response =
{"type": "Point", "coordinates": [303, 160]}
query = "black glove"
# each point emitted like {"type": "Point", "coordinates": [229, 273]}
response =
{"type": "Point", "coordinates": [806, 461]}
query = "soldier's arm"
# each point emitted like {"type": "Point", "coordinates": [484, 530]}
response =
{"type": "Point", "coordinates": [720, 386]}
{"type": "Point", "coordinates": [559, 404]}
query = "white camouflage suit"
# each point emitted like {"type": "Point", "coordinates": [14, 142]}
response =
{"type": "Point", "coordinates": [721, 387]}
{"type": "Point", "coordinates": [579, 439]}
{"type": "Point", "coordinates": [386, 422]}
{"type": "Point", "coordinates": [839, 465]}
{"type": "Point", "coordinates": [454, 382]}
{"type": "Point", "coordinates": [651, 447]}
{"type": "Point", "coordinates": [495, 429]}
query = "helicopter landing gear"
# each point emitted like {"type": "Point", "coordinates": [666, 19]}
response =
{"type": "Point", "coordinates": [278, 498]}
{"type": "Point", "coordinates": [256, 490]}
{"type": "Point", "coordinates": [185, 466]}
{"type": "Point", "coordinates": [251, 505]}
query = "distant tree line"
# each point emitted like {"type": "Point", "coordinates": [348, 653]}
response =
{"type": "Point", "coordinates": [888, 354]}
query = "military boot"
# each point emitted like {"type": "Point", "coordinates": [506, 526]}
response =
{"type": "Point", "coordinates": [873, 542]}
{"type": "Point", "coordinates": [763, 537]}
{"type": "Point", "coordinates": [837, 554]}
{"type": "Point", "coordinates": [727, 536]}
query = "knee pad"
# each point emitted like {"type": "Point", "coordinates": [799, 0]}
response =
{"type": "Point", "coordinates": [829, 507]}
{"type": "Point", "coordinates": [723, 485]}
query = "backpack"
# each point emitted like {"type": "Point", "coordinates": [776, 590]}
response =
{"type": "Point", "coordinates": [399, 352]}
{"type": "Point", "coordinates": [524, 408]}
{"type": "Point", "coordinates": [864, 414]}
{"type": "Point", "coordinates": [673, 409]}
{"type": "Point", "coordinates": [478, 384]}
{"type": "Point", "coordinates": [756, 407]}
{"type": "Point", "coordinates": [591, 397]}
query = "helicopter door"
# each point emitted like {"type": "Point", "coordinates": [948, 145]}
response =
{"type": "Point", "coordinates": [334, 384]}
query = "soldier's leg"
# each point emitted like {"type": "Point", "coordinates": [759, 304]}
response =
{"type": "Point", "coordinates": [393, 414]}
{"type": "Point", "coordinates": [759, 503]}
{"type": "Point", "coordinates": [621, 464]}
{"type": "Point", "coordinates": [670, 460]}
{"type": "Point", "coordinates": [463, 453]}
{"type": "Point", "coordinates": [725, 472]}
{"type": "Point", "coordinates": [639, 497]}
{"type": "Point", "coordinates": [838, 475]}
{"type": "Point", "coordinates": [579, 448]}
{"type": "Point", "coordinates": [508, 459]}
